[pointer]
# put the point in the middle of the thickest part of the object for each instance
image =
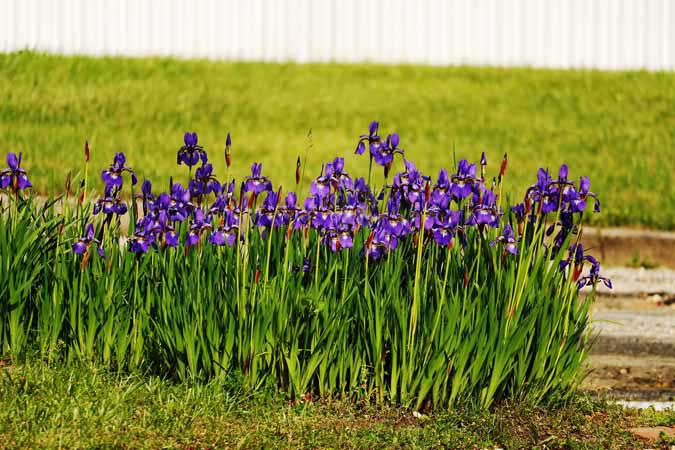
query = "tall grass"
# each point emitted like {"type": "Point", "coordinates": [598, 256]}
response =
{"type": "Point", "coordinates": [427, 322]}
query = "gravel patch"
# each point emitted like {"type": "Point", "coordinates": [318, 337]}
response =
{"type": "Point", "coordinates": [628, 281]}
{"type": "Point", "coordinates": [658, 406]}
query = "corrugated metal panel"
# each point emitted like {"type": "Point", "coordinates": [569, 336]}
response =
{"type": "Point", "coordinates": [606, 34]}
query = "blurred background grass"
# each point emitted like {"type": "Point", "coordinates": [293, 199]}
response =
{"type": "Point", "coordinates": [616, 127]}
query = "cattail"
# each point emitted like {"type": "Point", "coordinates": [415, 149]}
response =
{"type": "Point", "coordinates": [369, 241]}
{"type": "Point", "coordinates": [577, 271]}
{"type": "Point", "coordinates": [87, 154]}
{"type": "Point", "coordinates": [483, 163]}
{"type": "Point", "coordinates": [528, 205]}
{"type": "Point", "coordinates": [297, 171]}
{"type": "Point", "coordinates": [85, 259]}
{"type": "Point", "coordinates": [228, 144]}
{"type": "Point", "coordinates": [502, 170]}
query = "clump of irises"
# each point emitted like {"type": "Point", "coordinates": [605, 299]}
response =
{"type": "Point", "coordinates": [420, 290]}
{"type": "Point", "coordinates": [338, 206]}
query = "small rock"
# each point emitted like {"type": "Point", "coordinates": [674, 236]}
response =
{"type": "Point", "coordinates": [624, 371]}
{"type": "Point", "coordinates": [656, 299]}
{"type": "Point", "coordinates": [651, 434]}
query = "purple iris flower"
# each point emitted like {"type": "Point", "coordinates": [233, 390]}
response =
{"type": "Point", "coordinates": [112, 177]}
{"type": "Point", "coordinates": [584, 193]}
{"type": "Point", "coordinates": [143, 236]}
{"type": "Point", "coordinates": [265, 216]}
{"type": "Point", "coordinates": [177, 204]}
{"type": "Point", "coordinates": [321, 218]}
{"type": "Point", "coordinates": [339, 235]}
{"type": "Point", "coordinates": [508, 239]}
{"type": "Point", "coordinates": [519, 211]}
{"type": "Point", "coordinates": [576, 257]}
{"type": "Point", "coordinates": [441, 195]}
{"type": "Point", "coordinates": [351, 215]}
{"type": "Point", "coordinates": [593, 277]}
{"type": "Point", "coordinates": [146, 189]}
{"type": "Point", "coordinates": [200, 223]}
{"type": "Point", "coordinates": [411, 183]}
{"type": "Point", "coordinates": [190, 153]}
{"type": "Point", "coordinates": [14, 176]}
{"type": "Point", "coordinates": [82, 245]}
{"type": "Point", "coordinates": [393, 222]}
{"type": "Point", "coordinates": [372, 138]}
{"type": "Point", "coordinates": [361, 187]}
{"type": "Point", "coordinates": [226, 232]}
{"type": "Point", "coordinates": [146, 195]}
{"type": "Point", "coordinates": [218, 238]}
{"type": "Point", "coordinates": [384, 153]}
{"type": "Point", "coordinates": [563, 172]}
{"type": "Point", "coordinates": [444, 226]}
{"type": "Point", "coordinates": [289, 212]}
{"type": "Point", "coordinates": [320, 186]}
{"type": "Point", "coordinates": [339, 240]}
{"type": "Point", "coordinates": [335, 171]}
{"type": "Point", "coordinates": [257, 183]}
{"type": "Point", "coordinates": [163, 231]}
{"type": "Point", "coordinates": [464, 179]}
{"type": "Point", "coordinates": [204, 181]}
{"type": "Point", "coordinates": [567, 226]}
{"type": "Point", "coordinates": [545, 192]}
{"type": "Point", "coordinates": [220, 204]}
{"type": "Point", "coordinates": [111, 203]}
{"type": "Point", "coordinates": [485, 212]}
{"type": "Point", "coordinates": [380, 244]}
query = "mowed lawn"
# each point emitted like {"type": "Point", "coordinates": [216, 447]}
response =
{"type": "Point", "coordinates": [618, 128]}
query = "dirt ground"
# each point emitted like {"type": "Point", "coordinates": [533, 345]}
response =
{"type": "Point", "coordinates": [633, 248]}
{"type": "Point", "coordinates": [633, 358]}
{"type": "Point", "coordinates": [632, 377]}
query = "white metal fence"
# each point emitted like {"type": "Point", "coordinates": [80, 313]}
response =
{"type": "Point", "coordinates": [607, 34]}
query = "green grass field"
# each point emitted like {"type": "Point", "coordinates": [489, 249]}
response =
{"type": "Point", "coordinates": [619, 128]}
{"type": "Point", "coordinates": [83, 407]}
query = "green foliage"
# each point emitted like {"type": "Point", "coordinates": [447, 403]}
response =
{"type": "Point", "coordinates": [427, 326]}
{"type": "Point", "coordinates": [78, 406]}
{"type": "Point", "coordinates": [618, 126]}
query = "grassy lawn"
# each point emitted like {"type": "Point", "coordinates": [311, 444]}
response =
{"type": "Point", "coordinates": [43, 407]}
{"type": "Point", "coordinates": [619, 128]}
